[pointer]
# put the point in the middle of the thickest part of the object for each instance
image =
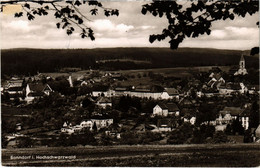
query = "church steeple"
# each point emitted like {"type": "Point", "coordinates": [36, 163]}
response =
{"type": "Point", "coordinates": [242, 68]}
{"type": "Point", "coordinates": [242, 62]}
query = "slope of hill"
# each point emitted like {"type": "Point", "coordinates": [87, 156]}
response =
{"type": "Point", "coordinates": [25, 61]}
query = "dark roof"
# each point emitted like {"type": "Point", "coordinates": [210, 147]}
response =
{"type": "Point", "coordinates": [172, 91]}
{"type": "Point", "coordinates": [234, 111]}
{"type": "Point", "coordinates": [104, 100]}
{"type": "Point", "coordinates": [37, 87]}
{"type": "Point", "coordinates": [234, 86]}
{"type": "Point", "coordinates": [172, 107]}
{"type": "Point", "coordinates": [217, 76]}
{"type": "Point", "coordinates": [35, 94]}
{"type": "Point", "coordinates": [164, 121]}
{"type": "Point", "coordinates": [120, 89]}
{"type": "Point", "coordinates": [211, 82]}
{"type": "Point", "coordinates": [245, 113]}
{"type": "Point", "coordinates": [162, 105]}
{"type": "Point", "coordinates": [15, 89]}
{"type": "Point", "coordinates": [16, 81]}
{"type": "Point", "coordinates": [100, 117]}
{"type": "Point", "coordinates": [185, 101]}
{"type": "Point", "coordinates": [16, 95]}
{"type": "Point", "coordinates": [142, 90]}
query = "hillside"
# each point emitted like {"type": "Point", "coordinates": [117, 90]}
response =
{"type": "Point", "coordinates": [25, 61]}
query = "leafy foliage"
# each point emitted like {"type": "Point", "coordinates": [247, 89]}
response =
{"type": "Point", "coordinates": [192, 21]}
{"type": "Point", "coordinates": [187, 23]}
{"type": "Point", "coordinates": [67, 13]}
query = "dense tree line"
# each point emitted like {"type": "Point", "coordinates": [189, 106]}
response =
{"type": "Point", "coordinates": [31, 61]}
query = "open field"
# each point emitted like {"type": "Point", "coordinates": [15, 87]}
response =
{"type": "Point", "coordinates": [241, 155]}
{"type": "Point", "coordinates": [176, 72]}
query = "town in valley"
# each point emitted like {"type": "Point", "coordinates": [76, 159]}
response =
{"type": "Point", "coordinates": [82, 107]}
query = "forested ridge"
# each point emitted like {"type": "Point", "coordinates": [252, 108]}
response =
{"type": "Point", "coordinates": [25, 61]}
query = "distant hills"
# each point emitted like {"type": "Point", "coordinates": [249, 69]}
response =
{"type": "Point", "coordinates": [25, 61]}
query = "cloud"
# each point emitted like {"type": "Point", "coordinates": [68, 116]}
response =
{"type": "Point", "coordinates": [218, 34]}
{"type": "Point", "coordinates": [232, 33]}
{"type": "Point", "coordinates": [145, 27]}
{"type": "Point", "coordinates": [20, 25]}
{"type": "Point", "coordinates": [129, 29]}
{"type": "Point", "coordinates": [105, 25]}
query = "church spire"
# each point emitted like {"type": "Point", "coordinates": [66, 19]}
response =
{"type": "Point", "coordinates": [242, 69]}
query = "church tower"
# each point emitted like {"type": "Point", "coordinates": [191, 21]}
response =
{"type": "Point", "coordinates": [242, 63]}
{"type": "Point", "coordinates": [242, 69]}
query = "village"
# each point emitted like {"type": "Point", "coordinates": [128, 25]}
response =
{"type": "Point", "coordinates": [102, 108]}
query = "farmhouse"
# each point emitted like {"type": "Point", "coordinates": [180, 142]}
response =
{"type": "Point", "coordinates": [14, 82]}
{"type": "Point", "coordinates": [104, 102]}
{"type": "Point", "coordinates": [36, 90]}
{"type": "Point", "coordinates": [230, 88]}
{"type": "Point", "coordinates": [164, 125]}
{"type": "Point", "coordinates": [14, 88]}
{"type": "Point", "coordinates": [216, 80]}
{"type": "Point", "coordinates": [228, 114]}
{"type": "Point", "coordinates": [101, 121]}
{"type": "Point", "coordinates": [170, 93]}
{"type": "Point", "coordinates": [69, 129]}
{"type": "Point", "coordinates": [162, 109]}
{"type": "Point", "coordinates": [145, 93]}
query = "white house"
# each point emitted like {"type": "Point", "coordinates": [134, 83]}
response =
{"type": "Point", "coordinates": [97, 93]}
{"type": "Point", "coordinates": [170, 93]}
{"type": "Point", "coordinates": [102, 122]}
{"type": "Point", "coordinates": [228, 114]}
{"type": "Point", "coordinates": [191, 120]}
{"type": "Point", "coordinates": [160, 110]}
{"type": "Point", "coordinates": [87, 124]}
{"type": "Point", "coordinates": [67, 128]}
{"type": "Point", "coordinates": [166, 109]}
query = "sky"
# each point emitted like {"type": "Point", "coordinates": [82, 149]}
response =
{"type": "Point", "coordinates": [129, 29]}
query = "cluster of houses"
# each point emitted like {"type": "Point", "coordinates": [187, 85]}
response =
{"type": "Point", "coordinates": [167, 93]}
{"type": "Point", "coordinates": [167, 112]}
{"type": "Point", "coordinates": [18, 88]}
{"type": "Point", "coordinates": [97, 122]}
{"type": "Point", "coordinates": [220, 87]}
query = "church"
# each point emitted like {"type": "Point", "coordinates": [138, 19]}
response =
{"type": "Point", "coordinates": [242, 70]}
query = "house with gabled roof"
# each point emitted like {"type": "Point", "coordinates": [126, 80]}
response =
{"type": "Point", "coordinates": [186, 102]}
{"type": "Point", "coordinates": [101, 121]}
{"type": "Point", "coordinates": [14, 87]}
{"type": "Point", "coordinates": [228, 114]}
{"type": "Point", "coordinates": [162, 109]}
{"type": "Point", "coordinates": [104, 102]}
{"type": "Point", "coordinates": [36, 90]}
{"type": "Point", "coordinates": [170, 93]}
{"type": "Point", "coordinates": [14, 82]}
{"type": "Point", "coordinates": [230, 88]}
{"type": "Point", "coordinates": [165, 125]}
{"type": "Point", "coordinates": [216, 80]}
